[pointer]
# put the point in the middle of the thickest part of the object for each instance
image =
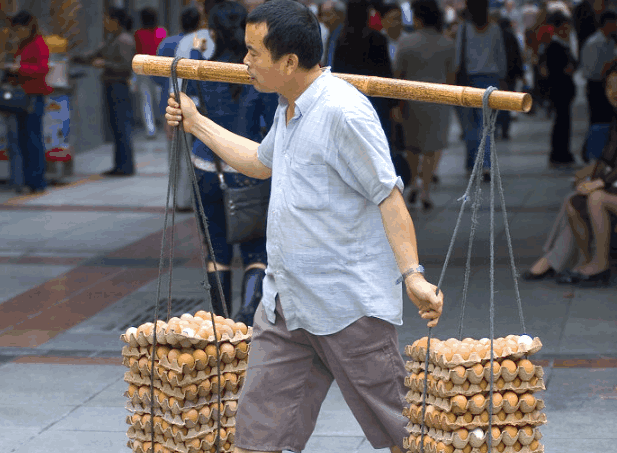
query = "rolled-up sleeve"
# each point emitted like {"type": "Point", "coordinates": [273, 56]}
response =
{"type": "Point", "coordinates": [363, 158]}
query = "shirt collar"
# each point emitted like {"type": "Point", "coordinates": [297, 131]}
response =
{"type": "Point", "coordinates": [310, 95]}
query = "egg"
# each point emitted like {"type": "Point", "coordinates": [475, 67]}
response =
{"type": "Point", "coordinates": [511, 398]}
{"type": "Point", "coordinates": [478, 369]}
{"type": "Point", "coordinates": [241, 327]}
{"type": "Point", "coordinates": [190, 391]}
{"type": "Point", "coordinates": [173, 355]}
{"type": "Point", "coordinates": [528, 402]}
{"type": "Point", "coordinates": [464, 351]}
{"type": "Point", "coordinates": [190, 415]}
{"type": "Point", "coordinates": [534, 445]}
{"type": "Point", "coordinates": [478, 433]}
{"type": "Point", "coordinates": [467, 417]}
{"type": "Point", "coordinates": [188, 332]}
{"type": "Point", "coordinates": [132, 389]}
{"type": "Point", "coordinates": [517, 446]}
{"type": "Point", "coordinates": [467, 448]}
{"type": "Point", "coordinates": [495, 433]}
{"type": "Point", "coordinates": [186, 360]}
{"type": "Point", "coordinates": [466, 385]}
{"type": "Point", "coordinates": [449, 385]}
{"type": "Point", "coordinates": [228, 352]}
{"type": "Point", "coordinates": [459, 404]}
{"type": "Point", "coordinates": [517, 382]}
{"type": "Point", "coordinates": [528, 430]}
{"type": "Point", "coordinates": [509, 365]}
{"type": "Point", "coordinates": [525, 340]}
{"type": "Point", "coordinates": [201, 359]}
{"type": "Point", "coordinates": [193, 444]}
{"type": "Point", "coordinates": [202, 314]}
{"type": "Point", "coordinates": [518, 415]}
{"type": "Point", "coordinates": [497, 400]}
{"type": "Point", "coordinates": [526, 365]}
{"type": "Point", "coordinates": [478, 399]}
{"type": "Point", "coordinates": [460, 371]}
{"type": "Point", "coordinates": [131, 331]}
{"type": "Point", "coordinates": [501, 447]}
{"type": "Point", "coordinates": [483, 448]}
{"type": "Point", "coordinates": [147, 328]}
{"type": "Point", "coordinates": [462, 433]}
{"type": "Point", "coordinates": [500, 383]}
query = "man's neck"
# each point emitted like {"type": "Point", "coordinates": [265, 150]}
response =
{"type": "Point", "coordinates": [297, 86]}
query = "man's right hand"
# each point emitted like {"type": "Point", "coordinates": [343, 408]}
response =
{"type": "Point", "coordinates": [188, 114]}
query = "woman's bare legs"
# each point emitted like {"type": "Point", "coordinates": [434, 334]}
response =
{"type": "Point", "coordinates": [581, 233]}
{"type": "Point", "coordinates": [429, 164]}
{"type": "Point", "coordinates": [599, 204]}
{"type": "Point", "coordinates": [413, 159]}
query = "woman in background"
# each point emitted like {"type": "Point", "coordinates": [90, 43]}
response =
{"type": "Point", "coordinates": [30, 69]}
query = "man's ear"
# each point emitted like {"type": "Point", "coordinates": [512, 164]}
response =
{"type": "Point", "coordinates": [290, 63]}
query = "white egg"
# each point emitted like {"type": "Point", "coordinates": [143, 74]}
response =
{"type": "Point", "coordinates": [478, 433]}
{"type": "Point", "coordinates": [525, 340]}
{"type": "Point", "coordinates": [131, 331]}
{"type": "Point", "coordinates": [187, 331]}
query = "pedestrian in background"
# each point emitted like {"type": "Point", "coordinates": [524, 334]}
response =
{"type": "Point", "coordinates": [115, 57]}
{"type": "Point", "coordinates": [481, 54]}
{"type": "Point", "coordinates": [597, 55]}
{"type": "Point", "coordinates": [189, 23]}
{"type": "Point", "coordinates": [332, 14]}
{"type": "Point", "coordinates": [240, 109]}
{"type": "Point", "coordinates": [147, 40]}
{"type": "Point", "coordinates": [29, 70]}
{"type": "Point", "coordinates": [560, 65]}
{"type": "Point", "coordinates": [426, 55]}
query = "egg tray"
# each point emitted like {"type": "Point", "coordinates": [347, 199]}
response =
{"type": "Point", "coordinates": [227, 360]}
{"type": "Point", "coordinates": [412, 445]}
{"type": "Point", "coordinates": [184, 393]}
{"type": "Point", "coordinates": [452, 375]}
{"type": "Point", "coordinates": [180, 447]}
{"type": "Point", "coordinates": [437, 419]}
{"type": "Point", "coordinates": [142, 406]}
{"type": "Point", "coordinates": [198, 430]}
{"type": "Point", "coordinates": [178, 339]}
{"type": "Point", "coordinates": [455, 439]}
{"type": "Point", "coordinates": [437, 356]}
{"type": "Point", "coordinates": [144, 362]}
{"type": "Point", "coordinates": [182, 380]}
{"type": "Point", "coordinates": [229, 413]}
{"type": "Point", "coordinates": [444, 404]}
{"type": "Point", "coordinates": [440, 388]}
{"type": "Point", "coordinates": [138, 447]}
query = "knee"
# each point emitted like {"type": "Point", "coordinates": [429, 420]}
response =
{"type": "Point", "coordinates": [219, 266]}
{"type": "Point", "coordinates": [596, 198]}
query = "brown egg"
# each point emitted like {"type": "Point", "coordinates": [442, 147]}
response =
{"type": "Point", "coordinates": [232, 380]}
{"type": "Point", "coordinates": [526, 365]}
{"type": "Point", "coordinates": [186, 360]}
{"type": "Point", "coordinates": [193, 444]}
{"type": "Point", "coordinates": [528, 430]}
{"type": "Point", "coordinates": [190, 391]}
{"type": "Point", "coordinates": [460, 371]}
{"type": "Point", "coordinates": [478, 399]}
{"type": "Point", "coordinates": [201, 359]}
{"type": "Point", "coordinates": [501, 415]}
{"type": "Point", "coordinates": [449, 385]}
{"type": "Point", "coordinates": [464, 351]}
{"type": "Point", "coordinates": [509, 365]}
{"type": "Point", "coordinates": [144, 364]}
{"type": "Point", "coordinates": [132, 389]}
{"type": "Point", "coordinates": [501, 447]}
{"type": "Point", "coordinates": [146, 329]}
{"type": "Point", "coordinates": [534, 445]}
{"type": "Point", "coordinates": [171, 402]}
{"type": "Point", "coordinates": [534, 380]}
{"type": "Point", "coordinates": [211, 350]}
{"type": "Point", "coordinates": [500, 383]}
{"type": "Point", "coordinates": [162, 351]}
{"type": "Point", "coordinates": [241, 327]}
{"type": "Point", "coordinates": [190, 415]}
{"type": "Point", "coordinates": [495, 433]}
{"type": "Point", "coordinates": [484, 417]}
{"type": "Point", "coordinates": [518, 415]}
{"type": "Point", "coordinates": [202, 314]}
{"type": "Point", "coordinates": [173, 355]}
{"type": "Point", "coordinates": [459, 404]}
{"type": "Point", "coordinates": [467, 417]}
{"type": "Point", "coordinates": [483, 448]}
{"type": "Point", "coordinates": [483, 384]}
{"type": "Point", "coordinates": [511, 430]}
{"type": "Point", "coordinates": [529, 400]}
{"type": "Point", "coordinates": [517, 446]}
{"type": "Point", "coordinates": [497, 399]}
{"type": "Point", "coordinates": [466, 385]}
{"type": "Point", "coordinates": [228, 352]}
{"type": "Point", "coordinates": [467, 448]}
{"type": "Point", "coordinates": [511, 398]}
{"type": "Point", "coordinates": [144, 392]}
{"type": "Point", "coordinates": [478, 369]}
{"type": "Point", "coordinates": [462, 433]}
{"type": "Point", "coordinates": [517, 382]}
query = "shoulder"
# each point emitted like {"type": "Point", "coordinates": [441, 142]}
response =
{"type": "Point", "coordinates": [344, 101]}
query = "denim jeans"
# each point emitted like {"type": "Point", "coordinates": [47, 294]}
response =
{"type": "Point", "coordinates": [31, 145]}
{"type": "Point", "coordinates": [253, 251]}
{"type": "Point", "coordinates": [120, 117]}
{"type": "Point", "coordinates": [15, 156]}
{"type": "Point", "coordinates": [472, 119]}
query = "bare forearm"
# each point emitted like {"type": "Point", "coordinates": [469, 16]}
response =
{"type": "Point", "coordinates": [237, 151]}
{"type": "Point", "coordinates": [400, 230]}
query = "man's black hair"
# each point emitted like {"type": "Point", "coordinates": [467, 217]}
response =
{"type": "Point", "coordinates": [189, 19]}
{"type": "Point", "coordinates": [608, 16]}
{"type": "Point", "coordinates": [149, 17]}
{"type": "Point", "coordinates": [292, 29]}
{"type": "Point", "coordinates": [24, 18]}
{"type": "Point", "coordinates": [120, 16]}
{"type": "Point", "coordinates": [557, 19]}
{"type": "Point", "coordinates": [429, 13]}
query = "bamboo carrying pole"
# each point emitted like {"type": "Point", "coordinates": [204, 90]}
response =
{"type": "Point", "coordinates": [371, 86]}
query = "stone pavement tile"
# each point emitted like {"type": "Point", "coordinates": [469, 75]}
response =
{"type": "Point", "coordinates": [593, 390]}
{"type": "Point", "coordinates": [94, 419]}
{"type": "Point", "coordinates": [14, 437]}
{"type": "Point", "coordinates": [55, 384]}
{"type": "Point", "coordinates": [335, 417]}
{"type": "Point", "coordinates": [586, 443]}
{"type": "Point", "coordinates": [579, 423]}
{"type": "Point", "coordinates": [76, 442]}
{"type": "Point", "coordinates": [32, 413]}
{"type": "Point", "coordinates": [591, 326]}
{"type": "Point", "coordinates": [112, 396]}
{"type": "Point", "coordinates": [17, 279]}
{"type": "Point", "coordinates": [87, 342]}
{"type": "Point", "coordinates": [366, 447]}
{"type": "Point", "coordinates": [333, 444]}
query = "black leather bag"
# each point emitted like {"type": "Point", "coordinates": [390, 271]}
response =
{"type": "Point", "coordinates": [246, 209]}
{"type": "Point", "coordinates": [13, 99]}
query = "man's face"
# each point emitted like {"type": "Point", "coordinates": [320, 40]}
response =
{"type": "Point", "coordinates": [392, 22]}
{"type": "Point", "coordinates": [328, 14]}
{"type": "Point", "coordinates": [266, 75]}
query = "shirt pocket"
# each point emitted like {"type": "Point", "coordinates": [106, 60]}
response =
{"type": "Point", "coordinates": [309, 186]}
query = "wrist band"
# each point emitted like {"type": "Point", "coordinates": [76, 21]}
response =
{"type": "Point", "coordinates": [408, 272]}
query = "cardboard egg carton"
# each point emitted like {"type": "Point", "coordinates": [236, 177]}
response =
{"type": "Point", "coordinates": [501, 435]}
{"type": "Point", "coordinates": [525, 371]}
{"type": "Point", "coordinates": [447, 421]}
{"type": "Point", "coordinates": [206, 387]}
{"type": "Point", "coordinates": [138, 429]}
{"type": "Point", "coordinates": [183, 340]}
{"type": "Point", "coordinates": [139, 373]}
{"type": "Point", "coordinates": [229, 363]}
{"type": "Point", "coordinates": [207, 414]}
{"type": "Point", "coordinates": [460, 404]}
{"type": "Point", "coordinates": [446, 389]}
{"type": "Point", "coordinates": [469, 351]}
{"type": "Point", "coordinates": [432, 445]}
{"type": "Point", "coordinates": [130, 351]}
{"type": "Point", "coordinates": [141, 441]}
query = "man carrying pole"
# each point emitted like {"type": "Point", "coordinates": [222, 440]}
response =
{"type": "Point", "coordinates": [339, 237]}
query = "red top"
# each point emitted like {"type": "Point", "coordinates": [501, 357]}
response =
{"type": "Point", "coordinates": [374, 21]}
{"type": "Point", "coordinates": [34, 66]}
{"type": "Point", "coordinates": [147, 40]}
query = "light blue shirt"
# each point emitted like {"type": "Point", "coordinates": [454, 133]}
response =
{"type": "Point", "coordinates": [329, 259]}
{"type": "Point", "coordinates": [597, 51]}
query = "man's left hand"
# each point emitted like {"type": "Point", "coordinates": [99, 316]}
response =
{"type": "Point", "coordinates": [586, 187]}
{"type": "Point", "coordinates": [423, 295]}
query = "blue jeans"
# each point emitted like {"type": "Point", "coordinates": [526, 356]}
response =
{"type": "Point", "coordinates": [15, 156]}
{"type": "Point", "coordinates": [253, 251]}
{"type": "Point", "coordinates": [120, 117]}
{"type": "Point", "coordinates": [472, 119]}
{"type": "Point", "coordinates": [31, 146]}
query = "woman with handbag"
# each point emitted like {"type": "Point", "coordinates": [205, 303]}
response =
{"type": "Point", "coordinates": [29, 69]}
{"type": "Point", "coordinates": [244, 111]}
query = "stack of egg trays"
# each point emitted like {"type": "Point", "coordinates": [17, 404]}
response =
{"type": "Point", "coordinates": [186, 397]}
{"type": "Point", "coordinates": [457, 411]}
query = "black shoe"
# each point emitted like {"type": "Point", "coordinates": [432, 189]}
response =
{"type": "Point", "coordinates": [116, 172]}
{"type": "Point", "coordinates": [590, 281]}
{"type": "Point", "coordinates": [217, 303]}
{"type": "Point", "coordinates": [486, 177]}
{"type": "Point", "coordinates": [252, 291]}
{"type": "Point", "coordinates": [427, 205]}
{"type": "Point", "coordinates": [435, 179]}
{"type": "Point", "coordinates": [183, 210]}
{"type": "Point", "coordinates": [413, 196]}
{"type": "Point", "coordinates": [567, 277]}
{"type": "Point", "coordinates": [530, 276]}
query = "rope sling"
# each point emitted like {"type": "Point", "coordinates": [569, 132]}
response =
{"type": "Point", "coordinates": [489, 118]}
{"type": "Point", "coordinates": [180, 151]}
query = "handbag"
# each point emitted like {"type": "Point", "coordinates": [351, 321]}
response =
{"type": "Point", "coordinates": [246, 208]}
{"type": "Point", "coordinates": [13, 99]}
{"type": "Point", "coordinates": [462, 78]}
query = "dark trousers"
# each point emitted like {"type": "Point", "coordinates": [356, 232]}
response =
{"type": "Point", "coordinates": [30, 142]}
{"type": "Point", "coordinates": [504, 117]}
{"type": "Point", "coordinates": [600, 110]}
{"type": "Point", "coordinates": [560, 137]}
{"type": "Point", "coordinates": [120, 117]}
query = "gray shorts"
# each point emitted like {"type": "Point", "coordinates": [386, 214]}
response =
{"type": "Point", "coordinates": [289, 374]}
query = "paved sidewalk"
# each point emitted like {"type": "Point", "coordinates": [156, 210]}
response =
{"type": "Point", "coordinates": [80, 262]}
